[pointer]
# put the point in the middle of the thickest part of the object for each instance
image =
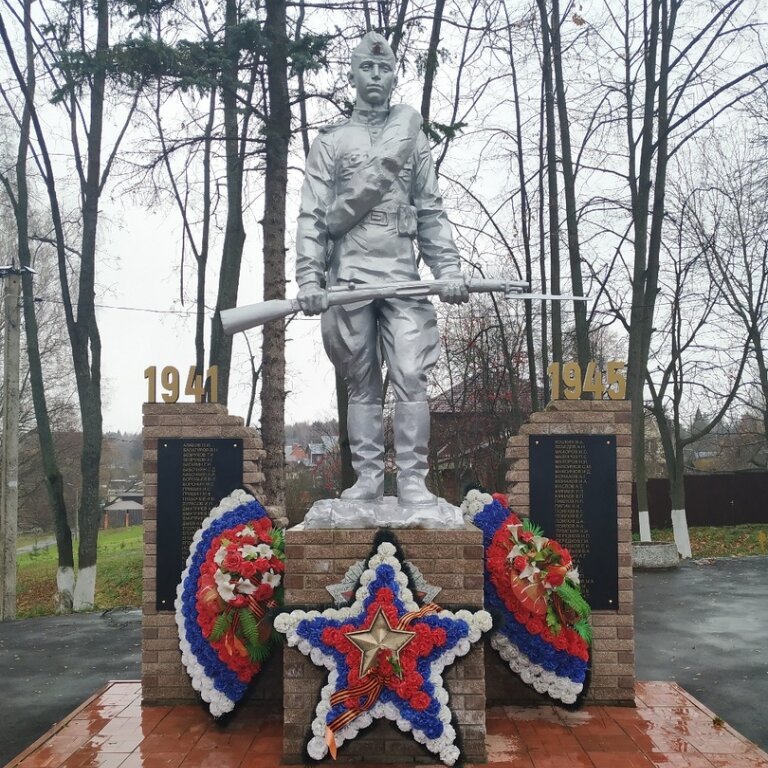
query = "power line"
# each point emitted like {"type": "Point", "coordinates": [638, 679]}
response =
{"type": "Point", "coordinates": [181, 312]}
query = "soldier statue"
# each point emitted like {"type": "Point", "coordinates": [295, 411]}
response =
{"type": "Point", "coordinates": [370, 190]}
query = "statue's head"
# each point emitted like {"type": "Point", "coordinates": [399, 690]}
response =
{"type": "Point", "coordinates": [373, 71]}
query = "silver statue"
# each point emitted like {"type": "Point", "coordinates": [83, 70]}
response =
{"type": "Point", "coordinates": [369, 191]}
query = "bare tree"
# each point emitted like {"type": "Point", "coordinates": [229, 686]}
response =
{"type": "Point", "coordinates": [688, 365]}
{"type": "Point", "coordinates": [67, 41]}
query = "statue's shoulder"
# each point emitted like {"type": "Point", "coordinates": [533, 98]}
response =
{"type": "Point", "coordinates": [406, 118]}
{"type": "Point", "coordinates": [334, 125]}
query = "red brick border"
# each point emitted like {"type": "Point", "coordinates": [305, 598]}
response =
{"type": "Point", "coordinates": [163, 678]}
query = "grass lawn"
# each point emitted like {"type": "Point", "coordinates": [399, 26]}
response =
{"type": "Point", "coordinates": [118, 573]}
{"type": "Point", "coordinates": [725, 541]}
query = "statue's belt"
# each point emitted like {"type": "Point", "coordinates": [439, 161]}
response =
{"type": "Point", "coordinates": [384, 216]}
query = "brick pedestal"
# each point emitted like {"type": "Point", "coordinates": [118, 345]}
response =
{"type": "Point", "coordinates": [163, 678]}
{"type": "Point", "coordinates": [452, 560]}
{"type": "Point", "coordinates": [613, 649]}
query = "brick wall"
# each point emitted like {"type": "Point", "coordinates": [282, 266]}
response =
{"type": "Point", "coordinates": [164, 679]}
{"type": "Point", "coordinates": [613, 650]}
{"type": "Point", "coordinates": [450, 559]}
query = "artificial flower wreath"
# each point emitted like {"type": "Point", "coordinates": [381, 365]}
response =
{"type": "Point", "coordinates": [385, 656]}
{"type": "Point", "coordinates": [532, 582]}
{"type": "Point", "coordinates": [233, 578]}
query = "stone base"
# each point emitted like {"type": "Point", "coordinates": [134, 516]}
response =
{"type": "Point", "coordinates": [387, 512]}
{"type": "Point", "coordinates": [451, 559]}
{"type": "Point", "coordinates": [652, 555]}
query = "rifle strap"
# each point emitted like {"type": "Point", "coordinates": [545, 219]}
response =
{"type": "Point", "coordinates": [368, 185]}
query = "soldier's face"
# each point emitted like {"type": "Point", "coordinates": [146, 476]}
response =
{"type": "Point", "coordinates": [373, 79]}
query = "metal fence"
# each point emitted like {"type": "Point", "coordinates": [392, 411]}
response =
{"type": "Point", "coordinates": [734, 498]}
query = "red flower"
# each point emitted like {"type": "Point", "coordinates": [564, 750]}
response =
{"type": "Point", "coordinates": [239, 602]}
{"type": "Point", "coordinates": [263, 592]}
{"type": "Point", "coordinates": [535, 626]}
{"type": "Point", "coordinates": [248, 569]}
{"type": "Point", "coordinates": [420, 701]}
{"type": "Point", "coordinates": [262, 565]}
{"type": "Point", "coordinates": [520, 563]}
{"type": "Point", "coordinates": [439, 637]}
{"type": "Point", "coordinates": [232, 561]}
{"type": "Point", "coordinates": [525, 536]}
{"type": "Point", "coordinates": [502, 499]}
{"type": "Point", "coordinates": [560, 642]}
{"type": "Point", "coordinates": [555, 577]}
{"type": "Point", "coordinates": [384, 595]}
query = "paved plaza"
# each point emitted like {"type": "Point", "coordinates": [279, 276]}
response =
{"type": "Point", "coordinates": [700, 632]}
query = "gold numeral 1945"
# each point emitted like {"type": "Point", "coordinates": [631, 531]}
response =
{"type": "Point", "coordinates": [568, 382]}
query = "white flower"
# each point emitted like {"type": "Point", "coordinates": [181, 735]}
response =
{"type": "Point", "coordinates": [245, 587]}
{"type": "Point", "coordinates": [283, 623]}
{"type": "Point", "coordinates": [483, 621]}
{"type": "Point", "coordinates": [224, 586]}
{"type": "Point", "coordinates": [529, 571]}
{"type": "Point", "coordinates": [218, 558]}
{"type": "Point", "coordinates": [271, 578]}
{"type": "Point", "coordinates": [316, 748]}
{"type": "Point", "coordinates": [386, 549]}
{"type": "Point", "coordinates": [573, 576]}
{"type": "Point", "coordinates": [250, 551]}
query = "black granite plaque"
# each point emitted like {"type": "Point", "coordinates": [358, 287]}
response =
{"type": "Point", "coordinates": [573, 498]}
{"type": "Point", "coordinates": [193, 476]}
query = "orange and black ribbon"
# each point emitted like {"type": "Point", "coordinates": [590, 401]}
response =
{"type": "Point", "coordinates": [369, 688]}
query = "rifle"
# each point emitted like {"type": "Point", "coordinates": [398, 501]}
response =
{"type": "Point", "coordinates": [251, 315]}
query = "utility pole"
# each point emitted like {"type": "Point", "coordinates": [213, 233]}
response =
{"type": "Point", "coordinates": [9, 458]}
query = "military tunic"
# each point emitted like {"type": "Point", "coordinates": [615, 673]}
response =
{"type": "Point", "coordinates": [369, 190]}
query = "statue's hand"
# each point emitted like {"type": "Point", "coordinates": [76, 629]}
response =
{"type": "Point", "coordinates": [313, 299]}
{"type": "Point", "coordinates": [455, 290]}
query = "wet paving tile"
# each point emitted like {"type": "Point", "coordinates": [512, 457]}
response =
{"type": "Point", "coordinates": [667, 729]}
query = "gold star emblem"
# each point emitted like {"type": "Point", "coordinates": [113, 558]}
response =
{"type": "Point", "coordinates": [379, 635]}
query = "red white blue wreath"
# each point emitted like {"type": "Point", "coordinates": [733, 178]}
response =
{"type": "Point", "coordinates": [232, 579]}
{"type": "Point", "coordinates": [385, 656]}
{"type": "Point", "coordinates": [532, 582]}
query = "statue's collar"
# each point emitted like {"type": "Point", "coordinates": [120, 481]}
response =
{"type": "Point", "coordinates": [372, 116]}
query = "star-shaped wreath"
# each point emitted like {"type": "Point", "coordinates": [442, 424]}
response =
{"type": "Point", "coordinates": [385, 655]}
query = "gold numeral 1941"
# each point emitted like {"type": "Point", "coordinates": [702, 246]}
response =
{"type": "Point", "coordinates": [195, 386]}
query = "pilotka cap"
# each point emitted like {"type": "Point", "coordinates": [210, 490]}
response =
{"type": "Point", "coordinates": [373, 45]}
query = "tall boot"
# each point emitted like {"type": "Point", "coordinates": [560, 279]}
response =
{"type": "Point", "coordinates": [411, 428]}
{"type": "Point", "coordinates": [366, 441]}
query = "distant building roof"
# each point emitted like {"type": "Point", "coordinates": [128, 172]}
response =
{"type": "Point", "coordinates": [123, 505]}
{"type": "Point", "coordinates": [295, 454]}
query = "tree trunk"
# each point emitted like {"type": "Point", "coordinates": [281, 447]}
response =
{"type": "Point", "coordinates": [640, 473]}
{"type": "Point", "coordinates": [544, 339]}
{"type": "Point", "coordinates": [86, 344]}
{"type": "Point", "coordinates": [430, 67]}
{"type": "Point", "coordinates": [525, 228]}
{"type": "Point", "coordinates": [278, 132]}
{"type": "Point", "coordinates": [552, 192]}
{"type": "Point", "coordinates": [646, 255]}
{"type": "Point", "coordinates": [65, 575]}
{"type": "Point", "coordinates": [569, 188]}
{"type": "Point", "coordinates": [234, 235]}
{"type": "Point", "coordinates": [677, 497]}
